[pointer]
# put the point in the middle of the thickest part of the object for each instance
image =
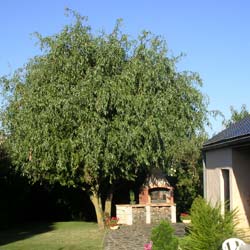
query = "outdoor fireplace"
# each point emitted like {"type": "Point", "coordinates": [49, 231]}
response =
{"type": "Point", "coordinates": [156, 202]}
{"type": "Point", "coordinates": [156, 189]}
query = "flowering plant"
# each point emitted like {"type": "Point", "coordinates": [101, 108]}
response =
{"type": "Point", "coordinates": [185, 216]}
{"type": "Point", "coordinates": [148, 246]}
{"type": "Point", "coordinates": [111, 221]}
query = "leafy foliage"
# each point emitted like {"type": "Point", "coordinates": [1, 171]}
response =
{"type": "Point", "coordinates": [209, 227]}
{"type": "Point", "coordinates": [189, 172]}
{"type": "Point", "coordinates": [163, 238]}
{"type": "Point", "coordinates": [95, 108]}
{"type": "Point", "coordinates": [236, 115]}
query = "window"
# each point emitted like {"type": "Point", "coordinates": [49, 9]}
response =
{"type": "Point", "coordinates": [226, 189]}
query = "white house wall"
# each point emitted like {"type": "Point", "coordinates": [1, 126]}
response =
{"type": "Point", "coordinates": [241, 185]}
{"type": "Point", "coordinates": [238, 163]}
{"type": "Point", "coordinates": [215, 161]}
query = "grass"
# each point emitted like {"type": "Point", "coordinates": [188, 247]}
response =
{"type": "Point", "coordinates": [53, 236]}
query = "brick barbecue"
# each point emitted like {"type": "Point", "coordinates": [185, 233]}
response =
{"type": "Point", "coordinates": [156, 189]}
{"type": "Point", "coordinates": [156, 202]}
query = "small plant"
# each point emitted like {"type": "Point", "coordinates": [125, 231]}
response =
{"type": "Point", "coordinates": [111, 221]}
{"type": "Point", "coordinates": [163, 237]}
{"type": "Point", "coordinates": [148, 246]}
{"type": "Point", "coordinates": [209, 227]}
{"type": "Point", "coordinates": [185, 216]}
{"type": "Point", "coordinates": [132, 197]}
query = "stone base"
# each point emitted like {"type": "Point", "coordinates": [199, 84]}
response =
{"type": "Point", "coordinates": [145, 213]}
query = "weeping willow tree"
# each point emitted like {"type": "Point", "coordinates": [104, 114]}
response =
{"type": "Point", "coordinates": [93, 109]}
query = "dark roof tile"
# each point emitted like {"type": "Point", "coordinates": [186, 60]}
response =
{"type": "Point", "coordinates": [238, 129]}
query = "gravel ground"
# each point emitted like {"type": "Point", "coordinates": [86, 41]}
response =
{"type": "Point", "coordinates": [134, 237]}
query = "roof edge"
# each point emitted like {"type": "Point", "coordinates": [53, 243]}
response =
{"type": "Point", "coordinates": [228, 142]}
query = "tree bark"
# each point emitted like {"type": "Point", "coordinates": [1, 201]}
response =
{"type": "Point", "coordinates": [95, 199]}
{"type": "Point", "coordinates": [108, 204]}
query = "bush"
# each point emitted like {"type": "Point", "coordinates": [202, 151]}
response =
{"type": "Point", "coordinates": [163, 238]}
{"type": "Point", "coordinates": [209, 228]}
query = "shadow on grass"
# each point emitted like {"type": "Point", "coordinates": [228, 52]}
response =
{"type": "Point", "coordinates": [22, 232]}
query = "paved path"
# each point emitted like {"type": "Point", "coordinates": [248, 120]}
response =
{"type": "Point", "coordinates": [133, 237]}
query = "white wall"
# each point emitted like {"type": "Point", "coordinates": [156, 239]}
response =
{"type": "Point", "coordinates": [237, 161]}
{"type": "Point", "coordinates": [215, 161]}
{"type": "Point", "coordinates": [241, 184]}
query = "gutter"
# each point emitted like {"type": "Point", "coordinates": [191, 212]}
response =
{"type": "Point", "coordinates": [245, 139]}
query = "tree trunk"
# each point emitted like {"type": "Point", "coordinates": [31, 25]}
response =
{"type": "Point", "coordinates": [98, 209]}
{"type": "Point", "coordinates": [108, 204]}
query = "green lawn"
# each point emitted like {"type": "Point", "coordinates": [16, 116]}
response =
{"type": "Point", "coordinates": [53, 236]}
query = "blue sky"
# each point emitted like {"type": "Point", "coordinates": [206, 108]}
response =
{"type": "Point", "coordinates": [214, 35]}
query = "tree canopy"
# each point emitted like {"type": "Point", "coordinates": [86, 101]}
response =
{"type": "Point", "coordinates": [95, 108]}
{"type": "Point", "coordinates": [236, 115]}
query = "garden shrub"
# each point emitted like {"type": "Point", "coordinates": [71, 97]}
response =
{"type": "Point", "coordinates": [209, 228]}
{"type": "Point", "coordinates": [163, 237]}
